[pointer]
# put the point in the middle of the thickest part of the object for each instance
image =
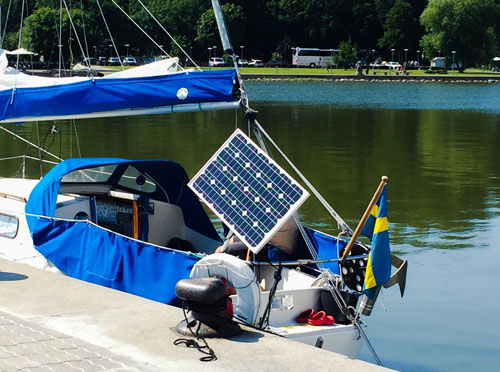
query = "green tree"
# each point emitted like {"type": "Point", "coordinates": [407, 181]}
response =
{"type": "Point", "coordinates": [346, 55]}
{"type": "Point", "coordinates": [464, 26]}
{"type": "Point", "coordinates": [207, 32]}
{"type": "Point", "coordinates": [400, 27]}
{"type": "Point", "coordinates": [40, 31]}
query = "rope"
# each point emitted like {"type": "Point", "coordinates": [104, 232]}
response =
{"type": "Point", "coordinates": [190, 343]}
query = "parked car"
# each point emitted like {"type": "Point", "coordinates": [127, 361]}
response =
{"type": "Point", "coordinates": [273, 63]}
{"type": "Point", "coordinates": [242, 62]}
{"type": "Point", "coordinates": [256, 63]}
{"type": "Point", "coordinates": [393, 65]}
{"type": "Point", "coordinates": [102, 61]}
{"type": "Point", "coordinates": [90, 61]}
{"type": "Point", "coordinates": [113, 61]}
{"type": "Point", "coordinates": [129, 61]}
{"type": "Point", "coordinates": [216, 61]}
{"type": "Point", "coordinates": [148, 60]}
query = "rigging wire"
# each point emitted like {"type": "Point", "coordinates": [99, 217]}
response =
{"type": "Point", "coordinates": [60, 37]}
{"type": "Point", "coordinates": [341, 223]}
{"type": "Point", "coordinates": [169, 35]}
{"type": "Point", "coordinates": [109, 32]}
{"type": "Point", "coordinates": [5, 25]}
{"type": "Point", "coordinates": [30, 143]}
{"type": "Point", "coordinates": [84, 32]}
{"type": "Point", "coordinates": [77, 140]}
{"type": "Point", "coordinates": [20, 33]}
{"type": "Point", "coordinates": [76, 34]}
{"type": "Point", "coordinates": [140, 28]}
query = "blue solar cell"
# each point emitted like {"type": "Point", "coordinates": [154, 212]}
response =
{"type": "Point", "coordinates": [247, 190]}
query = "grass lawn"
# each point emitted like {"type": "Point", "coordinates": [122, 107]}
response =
{"type": "Point", "coordinates": [320, 71]}
{"type": "Point", "coordinates": [352, 71]}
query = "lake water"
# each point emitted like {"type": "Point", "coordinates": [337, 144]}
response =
{"type": "Point", "coordinates": [439, 144]}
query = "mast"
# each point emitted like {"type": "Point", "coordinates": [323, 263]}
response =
{"type": "Point", "coordinates": [228, 48]}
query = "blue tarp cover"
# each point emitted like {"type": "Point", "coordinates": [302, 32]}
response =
{"type": "Point", "coordinates": [107, 94]}
{"type": "Point", "coordinates": [326, 248]}
{"type": "Point", "coordinates": [88, 252]}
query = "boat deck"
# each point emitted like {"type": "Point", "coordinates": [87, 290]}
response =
{"type": "Point", "coordinates": [47, 319]}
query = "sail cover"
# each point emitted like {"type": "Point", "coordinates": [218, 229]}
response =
{"type": "Point", "coordinates": [114, 96]}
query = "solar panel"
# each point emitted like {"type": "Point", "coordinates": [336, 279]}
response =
{"type": "Point", "coordinates": [248, 190]}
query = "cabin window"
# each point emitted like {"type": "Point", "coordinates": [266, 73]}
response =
{"type": "Point", "coordinates": [135, 180]}
{"type": "Point", "coordinates": [96, 174]}
{"type": "Point", "coordinates": [8, 226]}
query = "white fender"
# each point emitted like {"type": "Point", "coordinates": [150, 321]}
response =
{"type": "Point", "coordinates": [239, 275]}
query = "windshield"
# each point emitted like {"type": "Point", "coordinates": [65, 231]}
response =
{"type": "Point", "coordinates": [97, 174]}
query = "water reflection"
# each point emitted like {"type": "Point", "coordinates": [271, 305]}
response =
{"type": "Point", "coordinates": [442, 167]}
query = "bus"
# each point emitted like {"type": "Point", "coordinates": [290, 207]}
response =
{"type": "Point", "coordinates": [312, 57]}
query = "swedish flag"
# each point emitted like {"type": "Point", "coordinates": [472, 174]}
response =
{"type": "Point", "coordinates": [378, 269]}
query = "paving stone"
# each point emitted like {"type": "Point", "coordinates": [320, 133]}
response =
{"type": "Point", "coordinates": [5, 365]}
{"type": "Point", "coordinates": [38, 369]}
{"type": "Point", "coordinates": [88, 365]}
{"type": "Point", "coordinates": [61, 356]}
{"type": "Point", "coordinates": [59, 344]}
{"type": "Point", "coordinates": [21, 362]}
{"type": "Point", "coordinates": [64, 367]}
{"type": "Point", "coordinates": [17, 350]}
{"type": "Point", "coordinates": [82, 353]}
{"type": "Point", "coordinates": [107, 363]}
{"type": "Point", "coordinates": [29, 347]}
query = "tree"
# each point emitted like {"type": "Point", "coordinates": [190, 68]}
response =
{"type": "Point", "coordinates": [207, 33]}
{"type": "Point", "coordinates": [346, 55]}
{"type": "Point", "coordinates": [400, 27]}
{"type": "Point", "coordinates": [464, 26]}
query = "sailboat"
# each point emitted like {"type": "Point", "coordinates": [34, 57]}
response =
{"type": "Point", "coordinates": [139, 225]}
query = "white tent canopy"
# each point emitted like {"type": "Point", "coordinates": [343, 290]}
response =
{"type": "Point", "coordinates": [496, 58]}
{"type": "Point", "coordinates": [20, 51]}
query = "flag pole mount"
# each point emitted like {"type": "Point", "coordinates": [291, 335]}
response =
{"type": "Point", "coordinates": [361, 223]}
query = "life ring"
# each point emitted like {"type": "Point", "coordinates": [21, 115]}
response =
{"type": "Point", "coordinates": [239, 275]}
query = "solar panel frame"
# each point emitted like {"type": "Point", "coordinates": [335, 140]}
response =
{"type": "Point", "coordinates": [248, 190]}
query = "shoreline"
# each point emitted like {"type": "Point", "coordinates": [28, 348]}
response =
{"type": "Point", "coordinates": [376, 78]}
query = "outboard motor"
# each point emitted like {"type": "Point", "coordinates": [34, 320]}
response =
{"type": "Point", "coordinates": [207, 299]}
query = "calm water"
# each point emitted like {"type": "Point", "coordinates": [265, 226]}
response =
{"type": "Point", "coordinates": [439, 145]}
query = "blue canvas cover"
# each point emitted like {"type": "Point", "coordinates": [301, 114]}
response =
{"type": "Point", "coordinates": [88, 252]}
{"type": "Point", "coordinates": [108, 94]}
{"type": "Point", "coordinates": [327, 247]}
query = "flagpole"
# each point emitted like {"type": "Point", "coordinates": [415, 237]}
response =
{"type": "Point", "coordinates": [349, 245]}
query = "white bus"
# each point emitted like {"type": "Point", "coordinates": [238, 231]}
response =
{"type": "Point", "coordinates": [312, 57]}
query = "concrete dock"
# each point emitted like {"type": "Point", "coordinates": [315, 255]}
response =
{"type": "Point", "coordinates": [49, 322]}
